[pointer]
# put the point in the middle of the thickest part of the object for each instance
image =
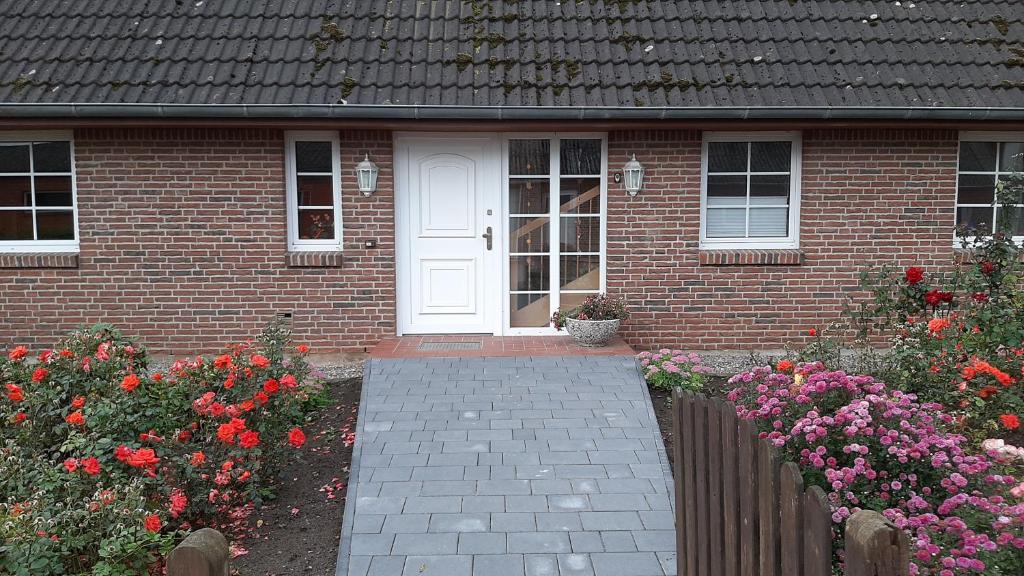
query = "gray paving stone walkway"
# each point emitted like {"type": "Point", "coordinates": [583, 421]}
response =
{"type": "Point", "coordinates": [530, 466]}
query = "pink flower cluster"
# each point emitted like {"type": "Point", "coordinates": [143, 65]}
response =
{"type": "Point", "coordinates": [874, 448]}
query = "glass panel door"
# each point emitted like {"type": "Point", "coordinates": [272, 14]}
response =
{"type": "Point", "coordinates": [555, 189]}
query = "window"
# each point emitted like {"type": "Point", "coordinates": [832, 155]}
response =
{"type": "Point", "coordinates": [984, 159]}
{"type": "Point", "coordinates": [555, 239]}
{"type": "Point", "coordinates": [313, 164]}
{"type": "Point", "coordinates": [37, 193]}
{"type": "Point", "coordinates": [750, 190]}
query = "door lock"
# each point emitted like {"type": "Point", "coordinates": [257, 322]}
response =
{"type": "Point", "coordinates": [489, 236]}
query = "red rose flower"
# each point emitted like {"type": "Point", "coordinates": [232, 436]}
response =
{"type": "Point", "coordinates": [19, 417]}
{"type": "Point", "coordinates": [198, 458]}
{"type": "Point", "coordinates": [143, 458]}
{"type": "Point", "coordinates": [288, 381]}
{"type": "Point", "coordinates": [936, 297]}
{"type": "Point", "coordinates": [130, 383]}
{"type": "Point", "coordinates": [77, 402]}
{"type": "Point", "coordinates": [784, 366]}
{"type": "Point", "coordinates": [40, 374]}
{"type": "Point", "coordinates": [980, 297]}
{"type": "Point", "coordinates": [259, 361]}
{"type": "Point", "coordinates": [812, 332]}
{"type": "Point", "coordinates": [178, 504]}
{"type": "Point", "coordinates": [184, 436]}
{"type": "Point", "coordinates": [226, 433]}
{"type": "Point", "coordinates": [18, 353]}
{"type": "Point", "coordinates": [1010, 421]}
{"type": "Point", "coordinates": [302, 348]}
{"type": "Point", "coordinates": [914, 275]}
{"type": "Point", "coordinates": [91, 466]}
{"type": "Point", "coordinates": [271, 386]}
{"type": "Point", "coordinates": [75, 418]}
{"type": "Point", "coordinates": [153, 523]}
{"type": "Point", "coordinates": [223, 361]}
{"type": "Point", "coordinates": [122, 453]}
{"type": "Point", "coordinates": [14, 393]}
{"type": "Point", "coordinates": [261, 398]}
{"type": "Point", "coordinates": [987, 267]}
{"type": "Point", "coordinates": [71, 465]}
{"type": "Point", "coordinates": [296, 437]}
{"type": "Point", "coordinates": [248, 439]}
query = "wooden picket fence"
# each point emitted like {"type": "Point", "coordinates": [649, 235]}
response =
{"type": "Point", "coordinates": [741, 511]}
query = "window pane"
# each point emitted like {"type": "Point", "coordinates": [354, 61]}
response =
{"type": "Point", "coordinates": [580, 196]}
{"type": "Point", "coordinates": [529, 273]}
{"type": "Point", "coordinates": [773, 190]}
{"type": "Point", "coordinates": [580, 234]}
{"type": "Point", "coordinates": [727, 157]}
{"type": "Point", "coordinates": [55, 225]}
{"type": "Point", "coordinates": [313, 156]}
{"type": "Point", "coordinates": [316, 224]}
{"type": "Point", "coordinates": [769, 222]}
{"type": "Point", "coordinates": [976, 189]}
{"type": "Point", "coordinates": [569, 300]}
{"type": "Point", "coordinates": [1018, 221]}
{"type": "Point", "coordinates": [727, 190]}
{"type": "Point", "coordinates": [770, 156]}
{"type": "Point", "coordinates": [53, 191]}
{"type": "Point", "coordinates": [977, 156]}
{"type": "Point", "coordinates": [51, 157]}
{"type": "Point", "coordinates": [529, 157]}
{"type": "Point", "coordinates": [316, 190]}
{"type": "Point", "coordinates": [14, 158]}
{"type": "Point", "coordinates": [726, 223]}
{"type": "Point", "coordinates": [15, 225]}
{"type": "Point", "coordinates": [1011, 157]}
{"type": "Point", "coordinates": [581, 272]}
{"type": "Point", "coordinates": [530, 310]}
{"type": "Point", "coordinates": [529, 196]}
{"type": "Point", "coordinates": [977, 219]}
{"type": "Point", "coordinates": [15, 191]}
{"type": "Point", "coordinates": [529, 234]}
{"type": "Point", "coordinates": [580, 157]}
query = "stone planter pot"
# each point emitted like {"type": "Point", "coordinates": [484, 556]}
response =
{"type": "Point", "coordinates": [592, 333]}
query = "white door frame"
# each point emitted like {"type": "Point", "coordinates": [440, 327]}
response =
{"type": "Point", "coordinates": [491, 145]}
{"type": "Point", "coordinates": [555, 222]}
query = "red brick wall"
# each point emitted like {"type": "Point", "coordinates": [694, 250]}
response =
{"type": "Point", "coordinates": [183, 246]}
{"type": "Point", "coordinates": [868, 196]}
{"type": "Point", "coordinates": [183, 241]}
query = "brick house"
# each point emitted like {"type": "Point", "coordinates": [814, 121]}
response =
{"type": "Point", "coordinates": [187, 170]}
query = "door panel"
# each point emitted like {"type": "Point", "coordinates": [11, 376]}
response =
{"type": "Point", "coordinates": [448, 279]}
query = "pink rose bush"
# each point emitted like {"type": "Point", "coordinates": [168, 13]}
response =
{"type": "Point", "coordinates": [104, 464]}
{"type": "Point", "coordinates": [870, 447]}
{"type": "Point", "coordinates": [668, 369]}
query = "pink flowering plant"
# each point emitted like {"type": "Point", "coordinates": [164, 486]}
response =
{"type": "Point", "coordinates": [104, 464]}
{"type": "Point", "coordinates": [870, 447]}
{"type": "Point", "coordinates": [667, 369]}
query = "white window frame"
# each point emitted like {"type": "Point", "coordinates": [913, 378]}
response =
{"type": "Point", "coordinates": [981, 136]}
{"type": "Point", "coordinates": [295, 243]}
{"type": "Point", "coordinates": [43, 246]}
{"type": "Point", "coordinates": [791, 241]}
{"type": "Point", "coordinates": [554, 178]}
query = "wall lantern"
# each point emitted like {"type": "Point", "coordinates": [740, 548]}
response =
{"type": "Point", "coordinates": [633, 174]}
{"type": "Point", "coordinates": [366, 173]}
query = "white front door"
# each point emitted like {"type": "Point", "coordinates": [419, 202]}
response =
{"type": "Point", "coordinates": [447, 233]}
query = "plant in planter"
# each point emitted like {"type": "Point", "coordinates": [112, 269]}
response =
{"type": "Point", "coordinates": [594, 322]}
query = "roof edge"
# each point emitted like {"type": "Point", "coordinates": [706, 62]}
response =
{"type": "Point", "coordinates": [431, 112]}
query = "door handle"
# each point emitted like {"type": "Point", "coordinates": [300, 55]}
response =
{"type": "Point", "coordinates": [489, 236]}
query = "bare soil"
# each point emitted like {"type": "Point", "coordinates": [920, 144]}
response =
{"type": "Point", "coordinates": [298, 531]}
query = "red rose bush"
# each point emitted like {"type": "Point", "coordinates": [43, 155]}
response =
{"type": "Point", "coordinates": [871, 447]}
{"type": "Point", "coordinates": [104, 464]}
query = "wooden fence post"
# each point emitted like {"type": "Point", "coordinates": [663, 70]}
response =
{"type": "Point", "coordinates": [203, 553]}
{"type": "Point", "coordinates": [875, 547]}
